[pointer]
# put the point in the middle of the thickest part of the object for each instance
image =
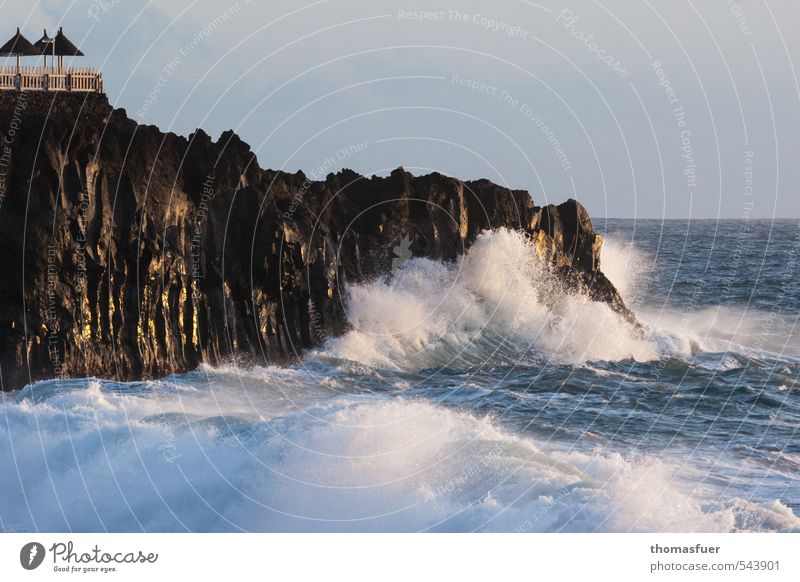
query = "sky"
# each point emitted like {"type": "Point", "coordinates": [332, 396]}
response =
{"type": "Point", "coordinates": [636, 108]}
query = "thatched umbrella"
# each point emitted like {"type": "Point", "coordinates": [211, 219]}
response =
{"type": "Point", "coordinates": [45, 46]}
{"type": "Point", "coordinates": [18, 46]}
{"type": "Point", "coordinates": [62, 47]}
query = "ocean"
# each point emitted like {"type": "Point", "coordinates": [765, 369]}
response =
{"type": "Point", "coordinates": [472, 396]}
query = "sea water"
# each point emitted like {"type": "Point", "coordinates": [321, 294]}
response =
{"type": "Point", "coordinates": [467, 396]}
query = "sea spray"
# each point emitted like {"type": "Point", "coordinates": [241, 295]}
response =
{"type": "Point", "coordinates": [499, 302]}
{"type": "Point", "coordinates": [512, 436]}
{"type": "Point", "coordinates": [342, 463]}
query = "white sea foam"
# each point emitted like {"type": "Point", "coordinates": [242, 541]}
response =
{"type": "Point", "coordinates": [626, 266]}
{"type": "Point", "coordinates": [501, 303]}
{"type": "Point", "coordinates": [311, 448]}
{"type": "Point", "coordinates": [746, 329]}
{"type": "Point", "coordinates": [88, 459]}
{"type": "Point", "coordinates": [498, 301]}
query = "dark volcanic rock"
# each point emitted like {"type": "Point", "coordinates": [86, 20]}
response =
{"type": "Point", "coordinates": [130, 253]}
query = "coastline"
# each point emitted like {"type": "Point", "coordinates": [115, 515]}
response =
{"type": "Point", "coordinates": [146, 254]}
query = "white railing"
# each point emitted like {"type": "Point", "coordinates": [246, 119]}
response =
{"type": "Point", "coordinates": [76, 79]}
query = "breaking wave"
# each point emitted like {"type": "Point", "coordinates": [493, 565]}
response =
{"type": "Point", "coordinates": [472, 395]}
{"type": "Point", "coordinates": [499, 302]}
{"type": "Point", "coordinates": [175, 456]}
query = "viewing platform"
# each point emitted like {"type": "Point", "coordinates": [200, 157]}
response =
{"type": "Point", "coordinates": [56, 77]}
{"type": "Point", "coordinates": [32, 78]}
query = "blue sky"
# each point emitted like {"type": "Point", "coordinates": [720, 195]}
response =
{"type": "Point", "coordinates": [636, 108]}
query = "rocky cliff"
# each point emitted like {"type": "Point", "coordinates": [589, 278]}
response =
{"type": "Point", "coordinates": [130, 253]}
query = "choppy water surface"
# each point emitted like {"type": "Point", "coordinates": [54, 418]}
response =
{"type": "Point", "coordinates": [463, 399]}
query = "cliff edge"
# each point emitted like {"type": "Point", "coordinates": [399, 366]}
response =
{"type": "Point", "coordinates": [129, 253]}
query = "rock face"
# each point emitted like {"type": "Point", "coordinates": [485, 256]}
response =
{"type": "Point", "coordinates": [130, 253]}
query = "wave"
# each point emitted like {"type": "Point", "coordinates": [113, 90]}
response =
{"type": "Point", "coordinates": [93, 457]}
{"type": "Point", "coordinates": [728, 330]}
{"type": "Point", "coordinates": [356, 439]}
{"type": "Point", "coordinates": [500, 302]}
{"type": "Point", "coordinates": [626, 266]}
